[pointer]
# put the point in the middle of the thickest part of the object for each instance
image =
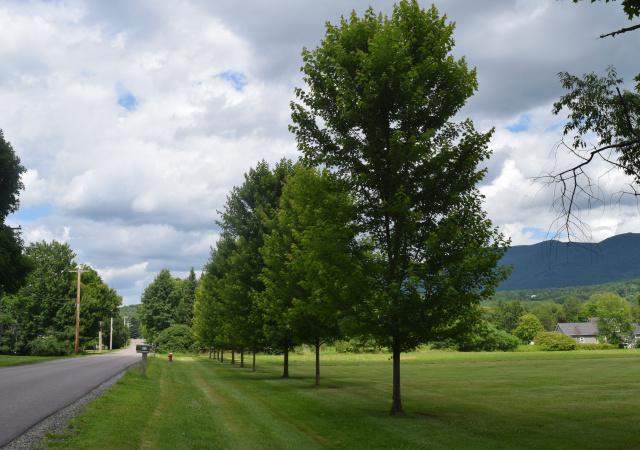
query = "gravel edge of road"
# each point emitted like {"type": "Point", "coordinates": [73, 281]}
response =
{"type": "Point", "coordinates": [57, 422]}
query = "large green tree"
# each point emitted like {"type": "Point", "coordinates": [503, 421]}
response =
{"type": "Point", "coordinates": [160, 301]}
{"type": "Point", "coordinates": [45, 305]}
{"type": "Point", "coordinates": [98, 303]}
{"type": "Point", "coordinates": [14, 266]}
{"type": "Point", "coordinates": [377, 111]}
{"type": "Point", "coordinates": [528, 327]}
{"type": "Point", "coordinates": [311, 267]}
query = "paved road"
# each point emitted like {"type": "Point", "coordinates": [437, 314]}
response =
{"type": "Point", "coordinates": [30, 393]}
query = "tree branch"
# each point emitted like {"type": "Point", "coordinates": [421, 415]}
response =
{"type": "Point", "coordinates": [569, 185]}
{"type": "Point", "coordinates": [620, 31]}
{"type": "Point", "coordinates": [593, 153]}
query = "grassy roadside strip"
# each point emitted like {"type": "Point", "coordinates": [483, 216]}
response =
{"type": "Point", "coordinates": [560, 400]}
{"type": "Point", "coordinates": [10, 360]}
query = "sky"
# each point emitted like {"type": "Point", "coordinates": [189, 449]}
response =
{"type": "Point", "coordinates": [135, 118]}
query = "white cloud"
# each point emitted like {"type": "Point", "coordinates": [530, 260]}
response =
{"type": "Point", "coordinates": [133, 139]}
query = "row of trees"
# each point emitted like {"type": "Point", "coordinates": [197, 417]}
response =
{"type": "Point", "coordinates": [378, 231]}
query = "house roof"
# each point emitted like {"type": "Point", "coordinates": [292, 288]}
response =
{"type": "Point", "coordinates": [579, 328]}
{"type": "Point", "coordinates": [585, 328]}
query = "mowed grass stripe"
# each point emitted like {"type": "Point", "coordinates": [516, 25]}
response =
{"type": "Point", "coordinates": [185, 417]}
{"type": "Point", "coordinates": [470, 401]}
{"type": "Point", "coordinates": [254, 410]}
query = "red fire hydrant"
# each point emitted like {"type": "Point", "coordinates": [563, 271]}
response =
{"type": "Point", "coordinates": [170, 357]}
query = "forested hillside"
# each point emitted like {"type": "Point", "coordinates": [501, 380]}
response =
{"type": "Point", "coordinates": [554, 264]}
{"type": "Point", "coordinates": [629, 289]}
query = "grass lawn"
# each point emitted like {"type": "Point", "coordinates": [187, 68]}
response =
{"type": "Point", "coordinates": [10, 360]}
{"type": "Point", "coordinates": [580, 399]}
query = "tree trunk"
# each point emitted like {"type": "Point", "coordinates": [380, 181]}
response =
{"type": "Point", "coordinates": [222, 355]}
{"type": "Point", "coordinates": [233, 357]}
{"type": "Point", "coordinates": [317, 362]}
{"type": "Point", "coordinates": [253, 364]}
{"type": "Point", "coordinates": [210, 352]}
{"type": "Point", "coordinates": [242, 357]}
{"type": "Point", "coordinates": [396, 405]}
{"type": "Point", "coordinates": [285, 368]}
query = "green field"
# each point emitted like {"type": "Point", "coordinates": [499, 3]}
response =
{"type": "Point", "coordinates": [9, 360]}
{"type": "Point", "coordinates": [580, 399]}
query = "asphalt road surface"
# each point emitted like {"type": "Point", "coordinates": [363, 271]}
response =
{"type": "Point", "coordinates": [32, 392]}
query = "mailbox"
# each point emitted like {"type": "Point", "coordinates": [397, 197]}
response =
{"type": "Point", "coordinates": [143, 348]}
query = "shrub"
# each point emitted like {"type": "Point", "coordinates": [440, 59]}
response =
{"type": "Point", "coordinates": [357, 345]}
{"type": "Point", "coordinates": [447, 344]}
{"type": "Point", "coordinates": [176, 338]}
{"type": "Point", "coordinates": [486, 337]}
{"type": "Point", "coordinates": [599, 346]}
{"type": "Point", "coordinates": [48, 346]}
{"type": "Point", "coordinates": [553, 341]}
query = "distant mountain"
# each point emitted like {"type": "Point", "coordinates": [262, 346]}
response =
{"type": "Point", "coordinates": [553, 264]}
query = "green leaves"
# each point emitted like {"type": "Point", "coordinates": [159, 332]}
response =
{"type": "Point", "coordinates": [227, 310]}
{"type": "Point", "coordinates": [377, 109]}
{"type": "Point", "coordinates": [312, 270]}
{"type": "Point", "coordinates": [45, 305]}
{"type": "Point", "coordinates": [13, 265]}
{"type": "Point", "coordinates": [10, 183]}
{"type": "Point", "coordinates": [528, 327]}
{"type": "Point", "coordinates": [613, 314]}
{"type": "Point", "coordinates": [160, 301]}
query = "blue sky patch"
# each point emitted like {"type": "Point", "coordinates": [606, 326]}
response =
{"type": "Point", "coordinates": [522, 124]}
{"type": "Point", "coordinates": [237, 79]}
{"type": "Point", "coordinates": [32, 213]}
{"type": "Point", "coordinates": [536, 233]}
{"type": "Point", "coordinates": [126, 99]}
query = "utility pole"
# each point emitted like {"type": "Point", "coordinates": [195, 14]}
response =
{"type": "Point", "coordinates": [100, 338]}
{"type": "Point", "coordinates": [111, 335]}
{"type": "Point", "coordinates": [77, 338]}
